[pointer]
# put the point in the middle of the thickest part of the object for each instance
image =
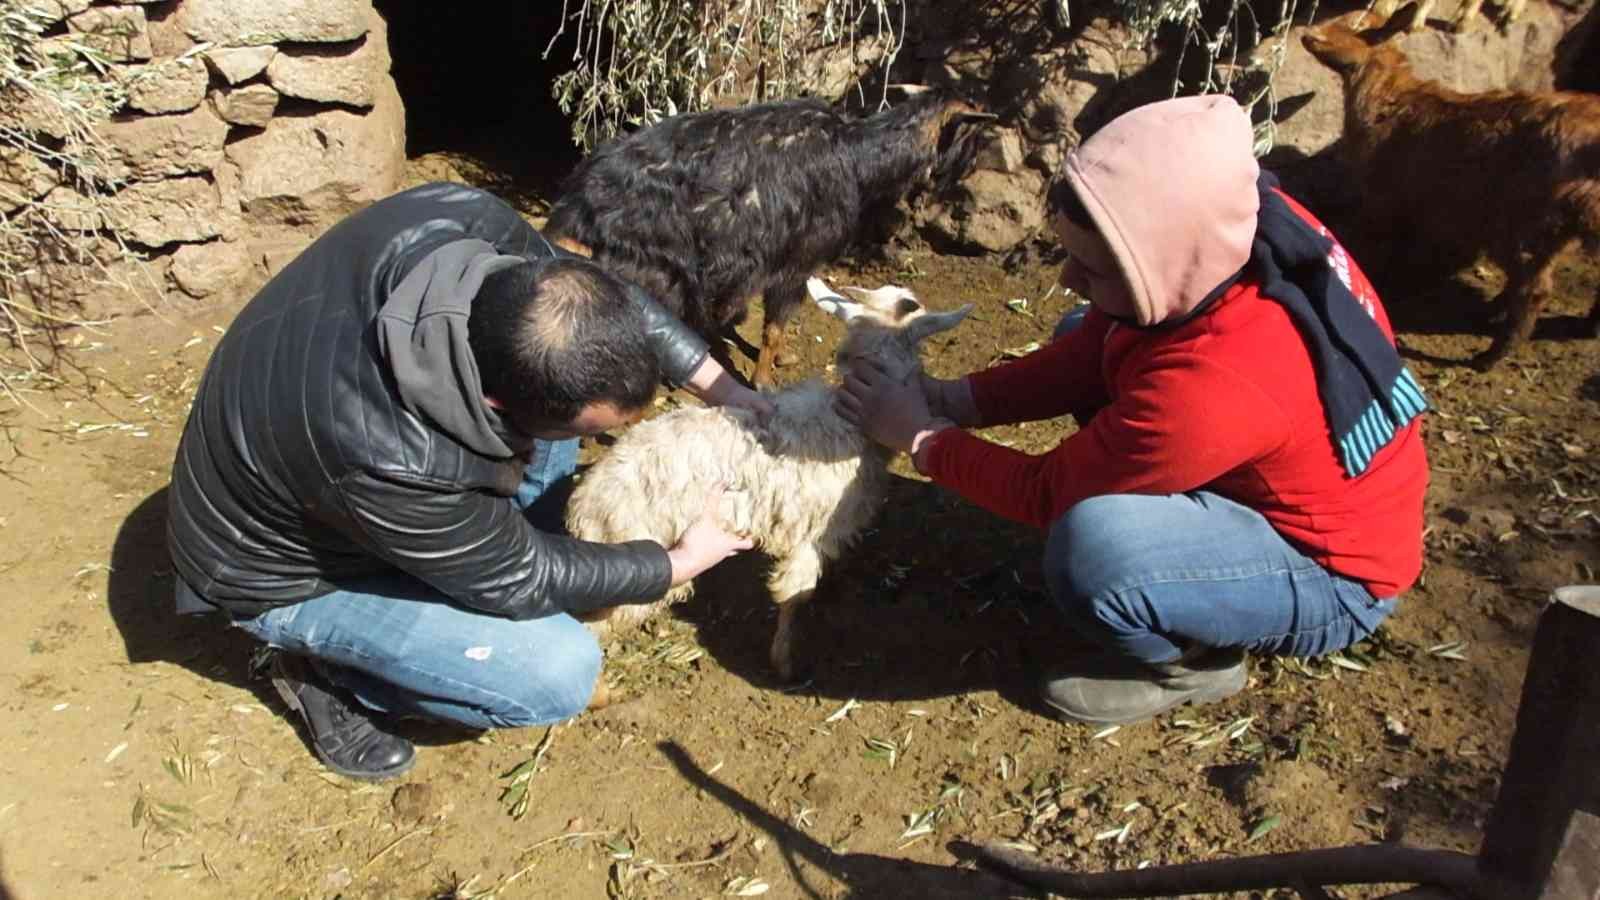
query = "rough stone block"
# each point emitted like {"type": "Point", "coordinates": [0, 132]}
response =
{"type": "Point", "coordinates": [995, 211]}
{"type": "Point", "coordinates": [344, 74]}
{"type": "Point", "coordinates": [155, 213]}
{"type": "Point", "coordinates": [23, 178]}
{"type": "Point", "coordinates": [162, 146]}
{"type": "Point", "coordinates": [167, 40]}
{"type": "Point", "coordinates": [314, 169]}
{"type": "Point", "coordinates": [251, 105]}
{"type": "Point", "coordinates": [54, 11]}
{"type": "Point", "coordinates": [1003, 153]}
{"type": "Point", "coordinates": [236, 64]}
{"type": "Point", "coordinates": [70, 210]}
{"type": "Point", "coordinates": [245, 23]}
{"type": "Point", "coordinates": [201, 270]}
{"type": "Point", "coordinates": [117, 32]}
{"type": "Point", "coordinates": [170, 86]}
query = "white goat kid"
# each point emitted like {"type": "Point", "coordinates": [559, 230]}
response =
{"type": "Point", "coordinates": [802, 486]}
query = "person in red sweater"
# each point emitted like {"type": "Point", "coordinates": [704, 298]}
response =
{"type": "Point", "coordinates": [1249, 471]}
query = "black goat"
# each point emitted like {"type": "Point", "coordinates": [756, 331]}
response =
{"type": "Point", "coordinates": [707, 210]}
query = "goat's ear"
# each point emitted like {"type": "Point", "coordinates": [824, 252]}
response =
{"type": "Point", "coordinates": [932, 323]}
{"type": "Point", "coordinates": [1399, 23]}
{"type": "Point", "coordinates": [840, 308]}
{"type": "Point", "coordinates": [884, 299]}
{"type": "Point", "coordinates": [830, 302]}
{"type": "Point", "coordinates": [1337, 49]}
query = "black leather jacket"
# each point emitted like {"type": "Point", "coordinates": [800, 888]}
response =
{"type": "Point", "coordinates": [299, 469]}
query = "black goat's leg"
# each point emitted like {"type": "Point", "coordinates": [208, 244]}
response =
{"type": "Point", "coordinates": [725, 339]}
{"type": "Point", "coordinates": [722, 352]}
{"type": "Point", "coordinates": [771, 347]}
{"type": "Point", "coordinates": [778, 306]}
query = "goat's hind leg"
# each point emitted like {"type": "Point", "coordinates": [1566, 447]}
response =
{"type": "Point", "coordinates": [793, 582]}
{"type": "Point", "coordinates": [1528, 286]}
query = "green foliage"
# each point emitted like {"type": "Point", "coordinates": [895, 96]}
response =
{"type": "Point", "coordinates": [54, 93]}
{"type": "Point", "coordinates": [637, 61]}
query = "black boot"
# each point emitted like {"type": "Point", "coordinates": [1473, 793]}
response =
{"type": "Point", "coordinates": [341, 730]}
{"type": "Point", "coordinates": [1108, 690]}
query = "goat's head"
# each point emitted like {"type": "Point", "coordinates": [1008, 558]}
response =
{"type": "Point", "coordinates": [959, 126]}
{"type": "Point", "coordinates": [948, 128]}
{"type": "Point", "coordinates": [1346, 50]}
{"type": "Point", "coordinates": [887, 323]}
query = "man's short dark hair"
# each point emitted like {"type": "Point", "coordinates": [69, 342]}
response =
{"type": "Point", "coordinates": [553, 336]}
{"type": "Point", "coordinates": [1063, 200]}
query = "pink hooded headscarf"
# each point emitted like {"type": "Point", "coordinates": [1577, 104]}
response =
{"type": "Point", "coordinates": [1171, 186]}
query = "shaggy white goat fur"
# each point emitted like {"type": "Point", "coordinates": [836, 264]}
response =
{"type": "Point", "coordinates": [802, 486]}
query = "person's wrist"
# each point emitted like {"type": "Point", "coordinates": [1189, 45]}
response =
{"type": "Point", "coordinates": [919, 441]}
{"type": "Point", "coordinates": [708, 379]}
{"type": "Point", "coordinates": [682, 567]}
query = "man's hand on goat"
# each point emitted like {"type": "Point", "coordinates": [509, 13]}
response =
{"type": "Point", "coordinates": [891, 411]}
{"type": "Point", "coordinates": [704, 543]}
{"type": "Point", "coordinates": [712, 383]}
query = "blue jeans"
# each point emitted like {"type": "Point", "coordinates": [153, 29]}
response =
{"type": "Point", "coordinates": [1070, 320]}
{"type": "Point", "coordinates": [1150, 576]}
{"type": "Point", "coordinates": [400, 646]}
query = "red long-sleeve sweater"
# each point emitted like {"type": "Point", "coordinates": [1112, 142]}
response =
{"type": "Point", "coordinates": [1226, 403]}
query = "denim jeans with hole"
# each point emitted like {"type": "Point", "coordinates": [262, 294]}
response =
{"type": "Point", "coordinates": [401, 647]}
{"type": "Point", "coordinates": [1149, 576]}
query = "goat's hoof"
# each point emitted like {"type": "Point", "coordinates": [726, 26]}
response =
{"type": "Point", "coordinates": [788, 672]}
{"type": "Point", "coordinates": [1486, 360]}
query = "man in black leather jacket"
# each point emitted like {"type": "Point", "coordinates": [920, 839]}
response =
{"type": "Point", "coordinates": [357, 480]}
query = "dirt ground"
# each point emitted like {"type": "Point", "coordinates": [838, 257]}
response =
{"type": "Point", "coordinates": [142, 760]}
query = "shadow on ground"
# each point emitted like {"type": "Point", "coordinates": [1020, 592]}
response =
{"type": "Point", "coordinates": [142, 605]}
{"type": "Point", "coordinates": [865, 874]}
{"type": "Point", "coordinates": [938, 599]}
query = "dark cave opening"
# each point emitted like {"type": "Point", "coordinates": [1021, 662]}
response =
{"type": "Point", "coordinates": [475, 82]}
{"type": "Point", "coordinates": [1578, 56]}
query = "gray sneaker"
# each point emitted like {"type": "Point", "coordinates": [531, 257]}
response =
{"type": "Point", "coordinates": [1115, 691]}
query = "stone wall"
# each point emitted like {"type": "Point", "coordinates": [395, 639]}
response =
{"type": "Point", "coordinates": [249, 125]}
